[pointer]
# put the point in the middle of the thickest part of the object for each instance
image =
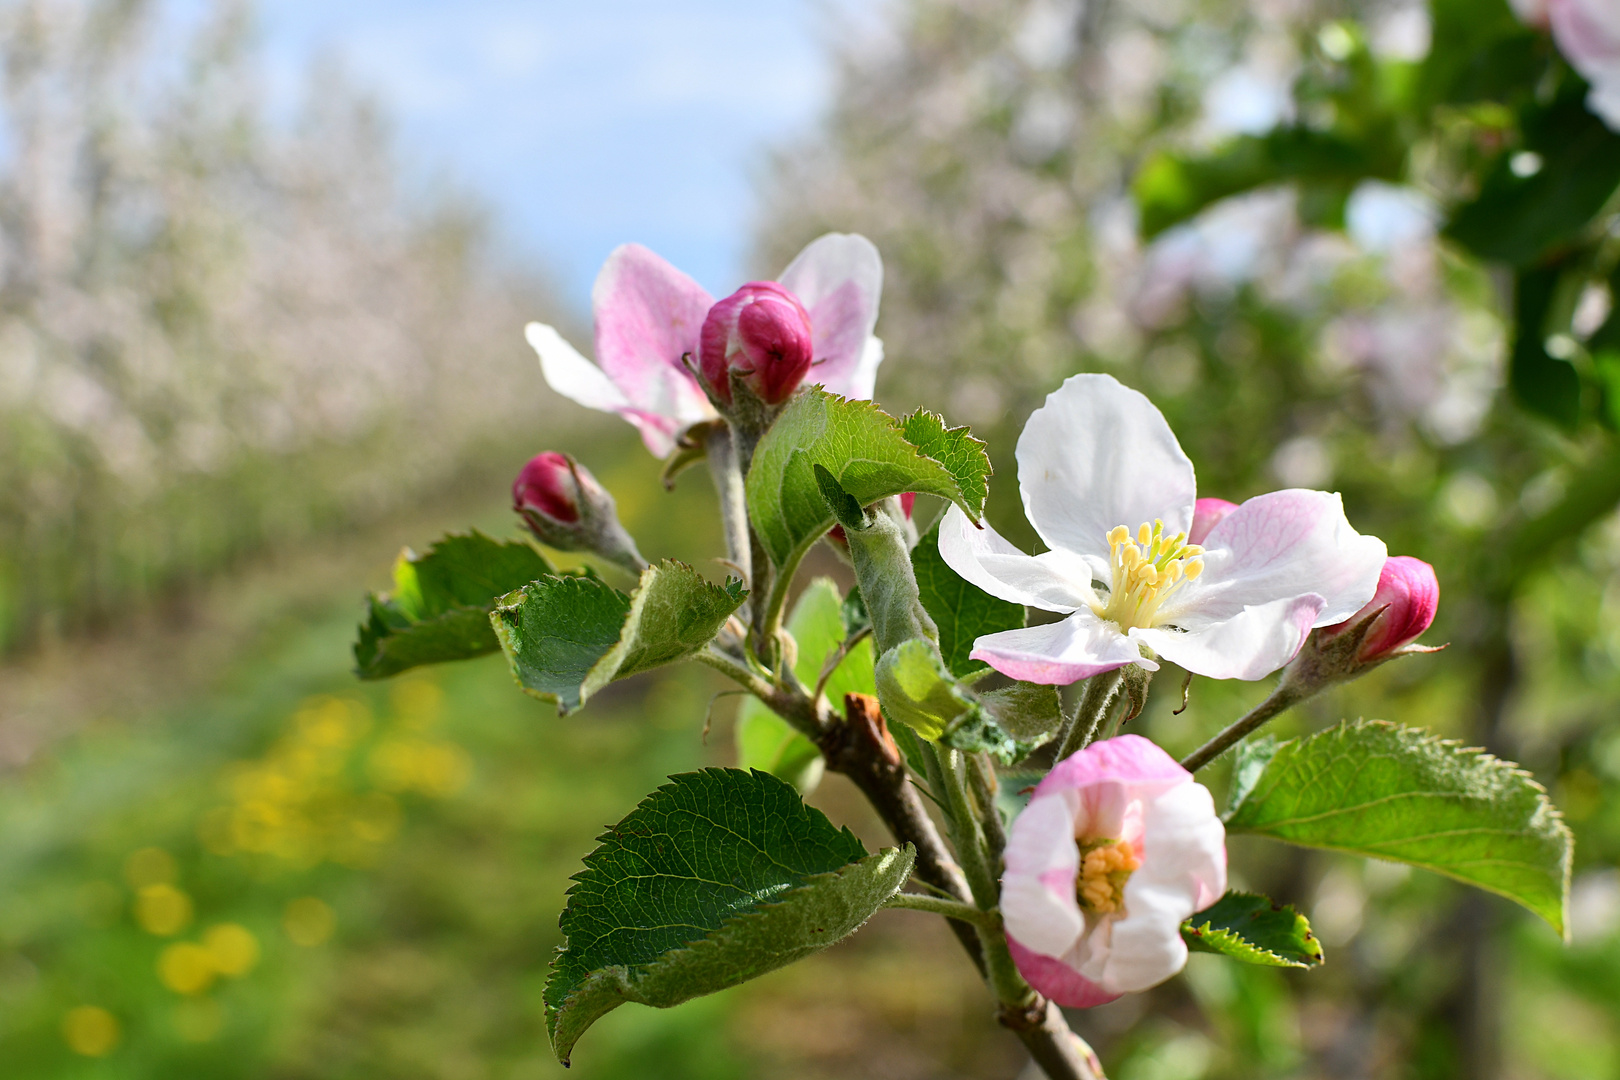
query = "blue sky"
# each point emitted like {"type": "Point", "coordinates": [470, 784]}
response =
{"type": "Point", "coordinates": [582, 125]}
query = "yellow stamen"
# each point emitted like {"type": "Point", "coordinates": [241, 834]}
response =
{"type": "Point", "coordinates": [1105, 866]}
{"type": "Point", "coordinates": [1147, 567]}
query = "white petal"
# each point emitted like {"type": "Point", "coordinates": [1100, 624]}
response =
{"type": "Point", "coordinates": [839, 280]}
{"type": "Point", "coordinates": [1061, 653]}
{"type": "Point", "coordinates": [1041, 857]}
{"type": "Point", "coordinates": [1097, 455]}
{"type": "Point", "coordinates": [1285, 544]}
{"type": "Point", "coordinates": [858, 382]}
{"type": "Point", "coordinates": [575, 377]}
{"type": "Point", "coordinates": [983, 558]}
{"type": "Point", "coordinates": [1183, 870]}
{"type": "Point", "coordinates": [1250, 645]}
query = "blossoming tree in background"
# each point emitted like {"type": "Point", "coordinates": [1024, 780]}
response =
{"type": "Point", "coordinates": [1075, 862]}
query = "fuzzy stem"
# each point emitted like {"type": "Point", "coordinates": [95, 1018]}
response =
{"type": "Point", "coordinates": [1285, 696]}
{"type": "Point", "coordinates": [726, 469]}
{"type": "Point", "coordinates": [1101, 689]}
{"type": "Point", "coordinates": [950, 909]}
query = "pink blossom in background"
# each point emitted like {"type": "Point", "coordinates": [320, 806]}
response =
{"type": "Point", "coordinates": [649, 316]}
{"type": "Point", "coordinates": [1587, 32]}
{"type": "Point", "coordinates": [1113, 496]}
{"type": "Point", "coordinates": [1117, 847]}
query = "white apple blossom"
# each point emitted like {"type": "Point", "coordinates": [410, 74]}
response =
{"type": "Point", "coordinates": [1111, 493]}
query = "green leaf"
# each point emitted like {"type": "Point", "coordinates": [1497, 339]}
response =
{"type": "Point", "coordinates": [439, 607]}
{"type": "Point", "coordinates": [766, 741]}
{"type": "Point", "coordinates": [1253, 929]}
{"type": "Point", "coordinates": [566, 638]}
{"type": "Point", "coordinates": [716, 878]}
{"type": "Point", "coordinates": [867, 452]}
{"type": "Point", "coordinates": [915, 688]}
{"type": "Point", "coordinates": [962, 611]}
{"type": "Point", "coordinates": [1522, 220]}
{"type": "Point", "coordinates": [1376, 789]}
{"type": "Point", "coordinates": [1030, 712]}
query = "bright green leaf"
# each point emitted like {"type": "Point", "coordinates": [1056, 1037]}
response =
{"type": "Point", "coordinates": [868, 454]}
{"type": "Point", "coordinates": [1373, 788]}
{"type": "Point", "coordinates": [915, 688]}
{"type": "Point", "coordinates": [567, 638]}
{"type": "Point", "coordinates": [963, 612]}
{"type": "Point", "coordinates": [716, 878]}
{"type": "Point", "coordinates": [1251, 928]}
{"type": "Point", "coordinates": [439, 607]}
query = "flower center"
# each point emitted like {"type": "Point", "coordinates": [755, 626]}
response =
{"type": "Point", "coordinates": [1105, 866]}
{"type": "Point", "coordinates": [1147, 569]}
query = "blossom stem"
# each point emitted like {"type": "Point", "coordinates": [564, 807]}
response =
{"type": "Point", "coordinates": [1284, 697]}
{"type": "Point", "coordinates": [1101, 690]}
{"type": "Point", "coordinates": [726, 469]}
{"type": "Point", "coordinates": [951, 909]}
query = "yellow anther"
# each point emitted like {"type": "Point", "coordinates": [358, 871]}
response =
{"type": "Point", "coordinates": [1148, 574]}
{"type": "Point", "coordinates": [1144, 534]}
{"type": "Point", "coordinates": [1132, 555]}
{"type": "Point", "coordinates": [1194, 568]}
{"type": "Point", "coordinates": [1105, 866]}
{"type": "Point", "coordinates": [1118, 535]}
{"type": "Point", "coordinates": [1172, 570]}
{"type": "Point", "coordinates": [1192, 551]}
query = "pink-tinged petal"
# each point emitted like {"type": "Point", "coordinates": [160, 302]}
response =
{"type": "Point", "coordinates": [1207, 513]}
{"type": "Point", "coordinates": [1130, 760]}
{"type": "Point", "coordinates": [982, 557]}
{"type": "Point", "coordinates": [1037, 892]}
{"type": "Point", "coordinates": [1096, 455]}
{"type": "Point", "coordinates": [648, 315]}
{"type": "Point", "coordinates": [575, 377]}
{"type": "Point", "coordinates": [1531, 12]}
{"type": "Point", "coordinates": [839, 279]}
{"type": "Point", "coordinates": [1281, 545]}
{"type": "Point", "coordinates": [1060, 653]}
{"type": "Point", "coordinates": [1588, 34]}
{"type": "Point", "coordinates": [1183, 871]}
{"type": "Point", "coordinates": [1057, 980]}
{"type": "Point", "coordinates": [857, 381]}
{"type": "Point", "coordinates": [1404, 606]}
{"type": "Point", "coordinates": [1250, 645]}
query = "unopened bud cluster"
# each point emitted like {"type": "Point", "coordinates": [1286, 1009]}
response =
{"type": "Point", "coordinates": [759, 336]}
{"type": "Point", "coordinates": [566, 508]}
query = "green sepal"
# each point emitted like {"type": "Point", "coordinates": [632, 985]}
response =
{"type": "Point", "coordinates": [566, 638]}
{"type": "Point", "coordinates": [439, 607]}
{"type": "Point", "coordinates": [1373, 788]}
{"type": "Point", "coordinates": [717, 877]}
{"type": "Point", "coordinates": [1254, 930]}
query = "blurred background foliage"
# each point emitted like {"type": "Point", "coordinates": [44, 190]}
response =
{"type": "Point", "coordinates": [238, 364]}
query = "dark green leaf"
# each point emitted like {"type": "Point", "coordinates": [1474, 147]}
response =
{"type": "Point", "coordinates": [962, 612]}
{"type": "Point", "coordinates": [439, 607]}
{"type": "Point", "coordinates": [1389, 792]}
{"type": "Point", "coordinates": [716, 878]}
{"type": "Point", "coordinates": [1253, 929]}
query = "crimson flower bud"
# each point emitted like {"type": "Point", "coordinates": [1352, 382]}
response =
{"type": "Point", "coordinates": [566, 508]}
{"type": "Point", "coordinates": [1403, 607]}
{"type": "Point", "coordinates": [760, 333]}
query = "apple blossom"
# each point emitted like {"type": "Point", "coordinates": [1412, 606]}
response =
{"type": "Point", "coordinates": [649, 319]}
{"type": "Point", "coordinates": [1110, 491]}
{"type": "Point", "coordinates": [1207, 513]}
{"type": "Point", "coordinates": [565, 507]}
{"type": "Point", "coordinates": [1587, 32]}
{"type": "Point", "coordinates": [761, 334]}
{"type": "Point", "coordinates": [1117, 847]}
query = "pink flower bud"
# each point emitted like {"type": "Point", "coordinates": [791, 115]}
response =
{"type": "Point", "coordinates": [566, 508]}
{"type": "Point", "coordinates": [1402, 608]}
{"type": "Point", "coordinates": [549, 487]}
{"type": "Point", "coordinates": [762, 333]}
{"type": "Point", "coordinates": [1207, 514]}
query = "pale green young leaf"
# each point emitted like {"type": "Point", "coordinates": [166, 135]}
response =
{"type": "Point", "coordinates": [867, 452]}
{"type": "Point", "coordinates": [1251, 928]}
{"type": "Point", "coordinates": [716, 878]}
{"type": "Point", "coordinates": [1376, 789]}
{"type": "Point", "coordinates": [439, 607]}
{"type": "Point", "coordinates": [963, 612]}
{"type": "Point", "coordinates": [566, 638]}
{"type": "Point", "coordinates": [915, 688]}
